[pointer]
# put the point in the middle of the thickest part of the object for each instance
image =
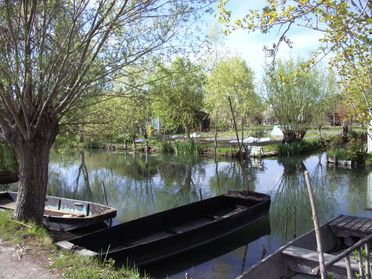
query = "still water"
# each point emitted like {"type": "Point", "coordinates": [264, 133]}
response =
{"type": "Point", "coordinates": [140, 185]}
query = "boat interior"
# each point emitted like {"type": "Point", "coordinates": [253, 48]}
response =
{"type": "Point", "coordinates": [165, 224]}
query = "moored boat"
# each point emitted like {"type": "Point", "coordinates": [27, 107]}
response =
{"type": "Point", "coordinates": [171, 232]}
{"type": "Point", "coordinates": [299, 259]}
{"type": "Point", "coordinates": [65, 214]}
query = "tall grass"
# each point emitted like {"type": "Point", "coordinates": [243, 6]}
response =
{"type": "Point", "coordinates": [298, 147]}
{"type": "Point", "coordinates": [186, 147]}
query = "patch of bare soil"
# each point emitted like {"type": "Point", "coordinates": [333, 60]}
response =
{"type": "Point", "coordinates": [19, 263]}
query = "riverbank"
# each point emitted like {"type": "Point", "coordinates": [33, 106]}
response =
{"type": "Point", "coordinates": [27, 251]}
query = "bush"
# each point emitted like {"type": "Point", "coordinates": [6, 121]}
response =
{"type": "Point", "coordinates": [298, 147]}
{"type": "Point", "coordinates": [167, 147]}
{"type": "Point", "coordinates": [340, 154]}
{"type": "Point", "coordinates": [186, 147]}
{"type": "Point", "coordinates": [355, 150]}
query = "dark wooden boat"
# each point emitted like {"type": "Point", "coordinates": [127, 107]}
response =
{"type": "Point", "coordinates": [7, 177]}
{"type": "Point", "coordinates": [224, 248]}
{"type": "Point", "coordinates": [174, 231]}
{"type": "Point", "coordinates": [298, 258]}
{"type": "Point", "coordinates": [65, 214]}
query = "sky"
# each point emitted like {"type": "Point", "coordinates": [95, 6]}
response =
{"type": "Point", "coordinates": [250, 45]}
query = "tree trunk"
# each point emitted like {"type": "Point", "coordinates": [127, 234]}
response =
{"type": "Point", "coordinates": [344, 132]}
{"type": "Point", "coordinates": [369, 137]}
{"type": "Point", "coordinates": [33, 180]}
{"type": "Point", "coordinates": [235, 128]}
{"type": "Point", "coordinates": [33, 159]}
{"type": "Point", "coordinates": [215, 141]}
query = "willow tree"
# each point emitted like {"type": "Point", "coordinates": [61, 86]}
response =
{"type": "Point", "coordinates": [297, 98]}
{"type": "Point", "coordinates": [177, 94]}
{"type": "Point", "coordinates": [344, 26]}
{"type": "Point", "coordinates": [231, 82]}
{"type": "Point", "coordinates": [52, 54]}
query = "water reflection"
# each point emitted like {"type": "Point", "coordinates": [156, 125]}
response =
{"type": "Point", "coordinates": [138, 185]}
{"type": "Point", "coordinates": [290, 209]}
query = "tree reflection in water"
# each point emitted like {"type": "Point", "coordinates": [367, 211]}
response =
{"type": "Point", "coordinates": [290, 207]}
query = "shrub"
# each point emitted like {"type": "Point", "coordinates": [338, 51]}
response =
{"type": "Point", "coordinates": [298, 147]}
{"type": "Point", "coordinates": [355, 150]}
{"type": "Point", "coordinates": [340, 154]}
{"type": "Point", "coordinates": [186, 147]}
{"type": "Point", "coordinates": [167, 147]}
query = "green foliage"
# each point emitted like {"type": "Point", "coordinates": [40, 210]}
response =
{"type": "Point", "coordinates": [70, 265]}
{"type": "Point", "coordinates": [80, 267]}
{"type": "Point", "coordinates": [340, 154]}
{"type": "Point", "coordinates": [177, 93]}
{"type": "Point", "coordinates": [186, 147]}
{"type": "Point", "coordinates": [353, 149]}
{"type": "Point", "coordinates": [232, 78]}
{"type": "Point", "coordinates": [298, 147]}
{"type": "Point", "coordinates": [356, 150]}
{"type": "Point", "coordinates": [8, 158]}
{"type": "Point", "coordinates": [345, 30]}
{"type": "Point", "coordinates": [296, 97]}
{"type": "Point", "coordinates": [167, 147]}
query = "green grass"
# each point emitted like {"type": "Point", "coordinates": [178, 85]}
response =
{"type": "Point", "coordinates": [69, 265]}
{"type": "Point", "coordinates": [340, 154]}
{"type": "Point", "coordinates": [369, 160]}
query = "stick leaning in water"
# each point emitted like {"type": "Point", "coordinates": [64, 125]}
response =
{"type": "Point", "coordinates": [323, 272]}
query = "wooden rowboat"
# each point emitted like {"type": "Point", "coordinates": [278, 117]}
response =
{"type": "Point", "coordinates": [299, 258]}
{"type": "Point", "coordinates": [65, 214]}
{"type": "Point", "coordinates": [171, 232]}
{"type": "Point", "coordinates": [7, 177]}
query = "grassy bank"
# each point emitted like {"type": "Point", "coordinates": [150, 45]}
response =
{"type": "Point", "coordinates": [37, 243]}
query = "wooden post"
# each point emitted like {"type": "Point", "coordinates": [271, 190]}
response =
{"type": "Point", "coordinates": [367, 261]}
{"type": "Point", "coordinates": [323, 272]}
{"type": "Point", "coordinates": [348, 268]}
{"type": "Point", "coordinates": [360, 262]}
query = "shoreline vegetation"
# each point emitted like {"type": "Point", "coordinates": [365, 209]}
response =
{"type": "Point", "coordinates": [203, 144]}
{"type": "Point", "coordinates": [37, 245]}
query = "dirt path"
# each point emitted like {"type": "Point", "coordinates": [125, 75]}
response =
{"type": "Point", "coordinates": [15, 264]}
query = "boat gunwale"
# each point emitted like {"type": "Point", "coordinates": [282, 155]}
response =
{"type": "Point", "coordinates": [260, 201]}
{"type": "Point", "coordinates": [282, 248]}
{"type": "Point", "coordinates": [212, 222]}
{"type": "Point", "coordinates": [108, 210]}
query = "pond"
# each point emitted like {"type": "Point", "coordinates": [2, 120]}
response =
{"type": "Point", "coordinates": [138, 185]}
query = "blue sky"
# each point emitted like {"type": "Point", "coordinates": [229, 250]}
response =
{"type": "Point", "coordinates": [250, 45]}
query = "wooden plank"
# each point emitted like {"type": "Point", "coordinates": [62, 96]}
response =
{"type": "Point", "coordinates": [150, 238]}
{"type": "Point", "coordinates": [362, 221]}
{"type": "Point", "coordinates": [338, 220]}
{"type": "Point", "coordinates": [190, 226]}
{"type": "Point", "coordinates": [343, 223]}
{"type": "Point", "coordinates": [364, 229]}
{"type": "Point", "coordinates": [354, 222]}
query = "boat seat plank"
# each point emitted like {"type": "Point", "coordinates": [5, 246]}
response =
{"type": "Point", "coordinates": [7, 204]}
{"type": "Point", "coordinates": [354, 222]}
{"type": "Point", "coordinates": [150, 238]}
{"type": "Point", "coordinates": [190, 225]}
{"type": "Point", "coordinates": [338, 220]}
{"type": "Point", "coordinates": [344, 222]}
{"type": "Point", "coordinates": [312, 257]}
{"type": "Point", "coordinates": [362, 222]}
{"type": "Point", "coordinates": [227, 212]}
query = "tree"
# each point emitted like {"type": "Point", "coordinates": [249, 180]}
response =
{"type": "Point", "coordinates": [177, 94]}
{"type": "Point", "coordinates": [54, 53]}
{"type": "Point", "coordinates": [344, 26]}
{"type": "Point", "coordinates": [231, 78]}
{"type": "Point", "coordinates": [296, 97]}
